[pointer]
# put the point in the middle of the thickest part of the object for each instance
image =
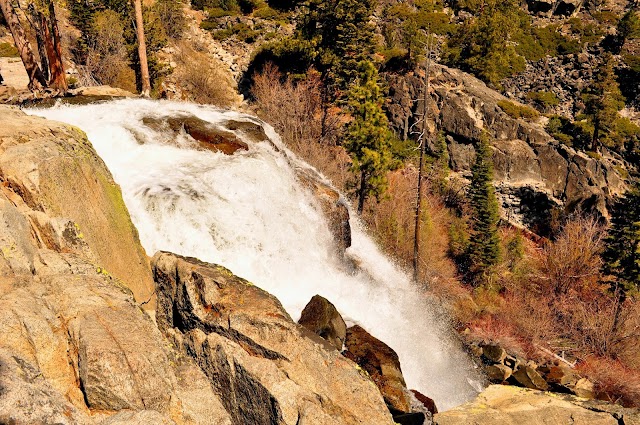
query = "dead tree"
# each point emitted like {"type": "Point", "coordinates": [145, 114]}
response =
{"type": "Point", "coordinates": [57, 77]}
{"type": "Point", "coordinates": [37, 80]}
{"type": "Point", "coordinates": [142, 50]}
{"type": "Point", "coordinates": [421, 132]}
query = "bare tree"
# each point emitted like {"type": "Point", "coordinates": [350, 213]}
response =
{"type": "Point", "coordinates": [142, 50]}
{"type": "Point", "coordinates": [421, 124]}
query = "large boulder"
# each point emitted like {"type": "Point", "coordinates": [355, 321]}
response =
{"type": "Point", "coordinates": [56, 173]}
{"type": "Point", "coordinates": [506, 405]}
{"type": "Point", "coordinates": [381, 362]}
{"type": "Point", "coordinates": [76, 347]}
{"type": "Point", "coordinates": [208, 136]}
{"type": "Point", "coordinates": [265, 368]}
{"type": "Point", "coordinates": [322, 318]}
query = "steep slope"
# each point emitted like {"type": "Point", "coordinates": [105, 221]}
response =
{"type": "Point", "coordinates": [534, 173]}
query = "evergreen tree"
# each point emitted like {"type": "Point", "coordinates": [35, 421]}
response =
{"type": "Point", "coordinates": [483, 44]}
{"type": "Point", "coordinates": [603, 100]}
{"type": "Point", "coordinates": [622, 246]}
{"type": "Point", "coordinates": [484, 244]}
{"type": "Point", "coordinates": [367, 136]}
{"type": "Point", "coordinates": [341, 36]}
{"type": "Point", "coordinates": [628, 27]}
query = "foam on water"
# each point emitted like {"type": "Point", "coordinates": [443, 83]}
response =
{"type": "Point", "coordinates": [249, 213]}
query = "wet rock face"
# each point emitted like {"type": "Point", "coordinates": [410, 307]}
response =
{"type": "Point", "coordinates": [381, 362]}
{"type": "Point", "coordinates": [265, 368]}
{"type": "Point", "coordinates": [207, 135]}
{"type": "Point", "coordinates": [533, 173]}
{"type": "Point", "coordinates": [333, 206]}
{"type": "Point", "coordinates": [322, 318]}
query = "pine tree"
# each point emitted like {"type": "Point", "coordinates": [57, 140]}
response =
{"type": "Point", "coordinates": [622, 246]}
{"type": "Point", "coordinates": [367, 136]}
{"type": "Point", "coordinates": [603, 100]}
{"type": "Point", "coordinates": [484, 247]}
{"type": "Point", "coordinates": [342, 37]}
{"type": "Point", "coordinates": [482, 45]}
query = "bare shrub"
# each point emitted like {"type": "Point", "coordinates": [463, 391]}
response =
{"type": "Point", "coordinates": [573, 260]}
{"type": "Point", "coordinates": [613, 381]}
{"type": "Point", "coordinates": [204, 80]}
{"type": "Point", "coordinates": [294, 109]}
{"type": "Point", "coordinates": [107, 58]}
{"type": "Point", "coordinates": [393, 221]}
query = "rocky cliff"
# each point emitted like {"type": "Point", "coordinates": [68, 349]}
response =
{"type": "Point", "coordinates": [77, 346]}
{"type": "Point", "coordinates": [534, 173]}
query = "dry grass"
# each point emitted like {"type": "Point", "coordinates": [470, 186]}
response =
{"type": "Point", "coordinates": [203, 79]}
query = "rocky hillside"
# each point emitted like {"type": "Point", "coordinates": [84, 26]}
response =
{"type": "Point", "coordinates": [534, 173]}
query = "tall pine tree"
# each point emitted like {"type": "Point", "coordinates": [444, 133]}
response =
{"type": "Point", "coordinates": [622, 247]}
{"type": "Point", "coordinates": [367, 136]}
{"type": "Point", "coordinates": [484, 247]}
{"type": "Point", "coordinates": [341, 36]}
{"type": "Point", "coordinates": [603, 100]}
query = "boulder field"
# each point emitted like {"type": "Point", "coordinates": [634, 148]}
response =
{"type": "Point", "coordinates": [95, 332]}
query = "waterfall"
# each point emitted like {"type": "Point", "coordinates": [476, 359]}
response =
{"type": "Point", "coordinates": [249, 213]}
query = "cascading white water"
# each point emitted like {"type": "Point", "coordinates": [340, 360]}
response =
{"type": "Point", "coordinates": [248, 212]}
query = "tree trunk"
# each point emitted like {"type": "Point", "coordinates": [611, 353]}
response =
{"type": "Point", "coordinates": [596, 135]}
{"type": "Point", "coordinates": [362, 192]}
{"type": "Point", "coordinates": [142, 50]}
{"type": "Point", "coordinates": [422, 139]}
{"type": "Point", "coordinates": [36, 78]}
{"type": "Point", "coordinates": [57, 78]}
{"type": "Point", "coordinates": [39, 23]}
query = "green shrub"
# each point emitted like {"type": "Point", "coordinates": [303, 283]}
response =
{"type": "Point", "coordinates": [8, 51]}
{"type": "Point", "coordinates": [544, 99]}
{"type": "Point", "coordinates": [402, 11]}
{"type": "Point", "coordinates": [568, 46]}
{"type": "Point", "coordinates": [241, 30]}
{"type": "Point", "coordinates": [624, 132]}
{"type": "Point", "coordinates": [577, 134]}
{"type": "Point", "coordinates": [605, 17]}
{"type": "Point", "coordinates": [587, 33]}
{"type": "Point", "coordinates": [536, 43]}
{"type": "Point", "coordinates": [214, 13]}
{"type": "Point", "coordinates": [517, 111]}
{"type": "Point", "coordinates": [229, 5]}
{"type": "Point", "coordinates": [437, 22]}
{"type": "Point", "coordinates": [429, 5]}
{"type": "Point", "coordinates": [266, 13]}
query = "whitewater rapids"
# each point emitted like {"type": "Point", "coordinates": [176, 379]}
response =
{"type": "Point", "coordinates": [249, 213]}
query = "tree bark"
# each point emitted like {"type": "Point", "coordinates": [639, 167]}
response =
{"type": "Point", "coordinates": [38, 22]}
{"type": "Point", "coordinates": [362, 192]}
{"type": "Point", "coordinates": [57, 77]}
{"type": "Point", "coordinates": [36, 78]}
{"type": "Point", "coordinates": [142, 50]}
